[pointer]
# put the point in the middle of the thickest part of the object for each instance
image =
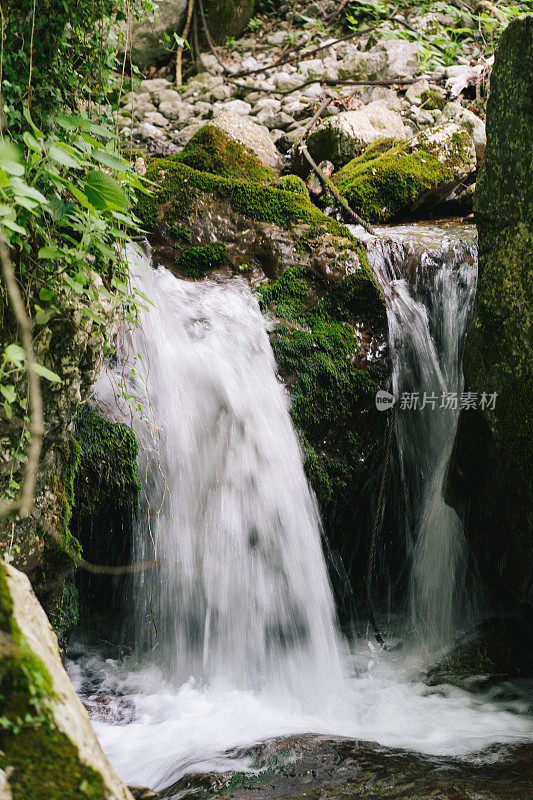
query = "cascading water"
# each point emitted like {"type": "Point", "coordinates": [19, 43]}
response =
{"type": "Point", "coordinates": [239, 591]}
{"type": "Point", "coordinates": [429, 286]}
{"type": "Point", "coordinates": [235, 626]}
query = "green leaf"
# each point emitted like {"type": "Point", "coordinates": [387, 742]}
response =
{"type": "Point", "coordinates": [15, 354]}
{"type": "Point", "coordinates": [12, 167]}
{"type": "Point", "coordinates": [46, 294]}
{"type": "Point", "coordinates": [111, 161]}
{"type": "Point", "coordinates": [22, 189]}
{"type": "Point", "coordinates": [97, 130]}
{"type": "Point", "coordinates": [31, 142]}
{"type": "Point", "coordinates": [61, 156]}
{"type": "Point", "coordinates": [44, 372]}
{"type": "Point", "coordinates": [13, 226]}
{"type": "Point", "coordinates": [9, 392]}
{"type": "Point", "coordinates": [49, 252]}
{"type": "Point", "coordinates": [69, 123]}
{"type": "Point", "coordinates": [80, 196]}
{"type": "Point", "coordinates": [27, 117]}
{"type": "Point", "coordinates": [42, 316]}
{"type": "Point", "coordinates": [104, 192]}
{"type": "Point", "coordinates": [25, 202]}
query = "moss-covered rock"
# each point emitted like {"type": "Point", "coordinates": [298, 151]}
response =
{"type": "Point", "coordinates": [293, 183]}
{"type": "Point", "coordinates": [212, 150]}
{"type": "Point", "coordinates": [499, 351]}
{"type": "Point", "coordinates": [107, 471]}
{"type": "Point", "coordinates": [227, 18]}
{"type": "Point", "coordinates": [47, 745]}
{"type": "Point", "coordinates": [197, 261]}
{"type": "Point", "coordinates": [409, 178]}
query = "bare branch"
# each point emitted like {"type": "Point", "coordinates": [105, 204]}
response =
{"type": "Point", "coordinates": [24, 503]}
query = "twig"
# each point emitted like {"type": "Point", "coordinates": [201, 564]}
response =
{"type": "Point", "coordinates": [316, 115]}
{"type": "Point", "coordinates": [336, 14]}
{"type": "Point", "coordinates": [302, 56]}
{"type": "Point", "coordinates": [208, 36]}
{"type": "Point", "coordinates": [179, 79]}
{"type": "Point", "coordinates": [36, 427]}
{"type": "Point", "coordinates": [340, 82]}
{"type": "Point", "coordinates": [327, 184]}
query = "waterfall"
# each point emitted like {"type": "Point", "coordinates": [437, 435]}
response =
{"type": "Point", "coordinates": [429, 284]}
{"type": "Point", "coordinates": [239, 593]}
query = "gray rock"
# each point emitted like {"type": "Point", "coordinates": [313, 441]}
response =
{"type": "Point", "coordinates": [155, 118]}
{"type": "Point", "coordinates": [236, 107]}
{"type": "Point", "coordinates": [469, 122]}
{"type": "Point", "coordinates": [154, 85]}
{"type": "Point", "coordinates": [386, 97]}
{"type": "Point", "coordinates": [266, 102]}
{"type": "Point", "coordinates": [176, 110]}
{"type": "Point", "coordinates": [285, 82]}
{"type": "Point", "coordinates": [341, 138]}
{"type": "Point", "coordinates": [279, 120]}
{"type": "Point", "coordinates": [147, 35]}
{"type": "Point", "coordinates": [314, 91]}
{"type": "Point", "coordinates": [416, 90]}
{"type": "Point", "coordinates": [210, 63]}
{"type": "Point", "coordinates": [387, 60]}
{"type": "Point", "coordinates": [148, 131]}
{"type": "Point", "coordinates": [222, 92]}
{"type": "Point", "coordinates": [167, 95]}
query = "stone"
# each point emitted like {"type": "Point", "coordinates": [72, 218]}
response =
{"type": "Point", "coordinates": [388, 97]}
{"type": "Point", "coordinates": [285, 82]}
{"type": "Point", "coordinates": [148, 45]}
{"type": "Point", "coordinates": [314, 91]}
{"type": "Point", "coordinates": [344, 136]}
{"type": "Point", "coordinates": [249, 133]}
{"type": "Point", "coordinates": [167, 96]}
{"type": "Point", "coordinates": [222, 92]}
{"type": "Point", "coordinates": [72, 736]}
{"type": "Point", "coordinates": [176, 110]}
{"type": "Point", "coordinates": [407, 179]}
{"type": "Point", "coordinates": [148, 131]}
{"type": "Point", "coordinates": [155, 118]}
{"type": "Point", "coordinates": [236, 107]}
{"type": "Point", "coordinates": [499, 349]}
{"type": "Point", "coordinates": [416, 90]}
{"type": "Point", "coordinates": [279, 120]}
{"type": "Point", "coordinates": [267, 102]}
{"type": "Point", "coordinates": [154, 85]}
{"type": "Point", "coordinates": [402, 58]}
{"type": "Point", "coordinates": [460, 76]}
{"type": "Point", "coordinates": [469, 122]}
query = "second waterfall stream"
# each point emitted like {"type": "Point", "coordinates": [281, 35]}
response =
{"type": "Point", "coordinates": [234, 629]}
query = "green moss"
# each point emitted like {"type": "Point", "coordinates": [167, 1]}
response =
{"type": "Point", "coordinates": [319, 355]}
{"type": "Point", "coordinates": [432, 100]}
{"type": "Point", "coordinates": [293, 183]}
{"type": "Point", "coordinates": [499, 349]}
{"type": "Point", "coordinates": [107, 473]}
{"type": "Point", "coordinates": [213, 150]}
{"type": "Point", "coordinates": [386, 186]}
{"type": "Point", "coordinates": [196, 261]}
{"type": "Point", "coordinates": [64, 611]}
{"type": "Point", "coordinates": [177, 188]}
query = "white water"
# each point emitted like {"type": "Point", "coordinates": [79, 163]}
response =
{"type": "Point", "coordinates": [429, 281]}
{"type": "Point", "coordinates": [240, 593]}
{"type": "Point", "coordinates": [246, 643]}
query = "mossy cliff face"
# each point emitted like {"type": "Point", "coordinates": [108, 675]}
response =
{"type": "Point", "coordinates": [314, 279]}
{"type": "Point", "coordinates": [387, 183]}
{"type": "Point", "coordinates": [47, 746]}
{"type": "Point", "coordinates": [499, 351]}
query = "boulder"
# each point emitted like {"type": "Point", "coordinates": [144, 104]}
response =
{"type": "Point", "coordinates": [55, 751]}
{"type": "Point", "coordinates": [254, 136]}
{"type": "Point", "coordinates": [499, 349]}
{"type": "Point", "coordinates": [388, 60]}
{"type": "Point", "coordinates": [148, 45]}
{"type": "Point", "coordinates": [470, 122]}
{"type": "Point", "coordinates": [344, 136]}
{"type": "Point", "coordinates": [390, 181]}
